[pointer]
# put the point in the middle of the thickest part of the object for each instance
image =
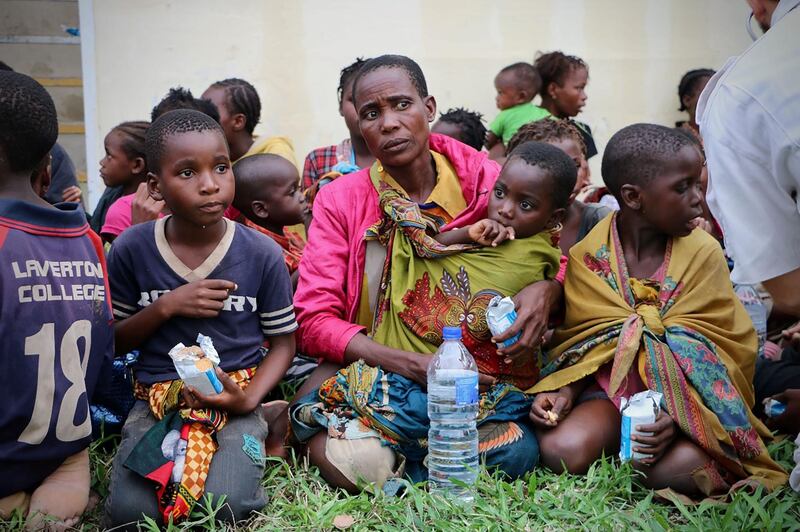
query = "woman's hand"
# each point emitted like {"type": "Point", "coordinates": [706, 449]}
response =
{"type": "Point", "coordinates": [549, 408]}
{"type": "Point", "coordinates": [233, 399]}
{"type": "Point", "coordinates": [534, 304]}
{"type": "Point", "coordinates": [663, 432]}
{"type": "Point", "coordinates": [791, 337]}
{"type": "Point", "coordinates": [415, 367]}
{"type": "Point", "coordinates": [490, 233]}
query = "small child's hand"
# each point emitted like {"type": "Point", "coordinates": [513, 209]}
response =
{"type": "Point", "coordinates": [71, 194]}
{"type": "Point", "coordinates": [233, 399]}
{"type": "Point", "coordinates": [198, 299]}
{"type": "Point", "coordinates": [490, 233]}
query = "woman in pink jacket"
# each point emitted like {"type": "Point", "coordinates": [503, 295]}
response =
{"type": "Point", "coordinates": [340, 274]}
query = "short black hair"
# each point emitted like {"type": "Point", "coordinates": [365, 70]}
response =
{"type": "Point", "coordinates": [348, 74]}
{"type": "Point", "coordinates": [6, 67]}
{"type": "Point", "coordinates": [395, 61]}
{"type": "Point", "coordinates": [180, 98]}
{"type": "Point", "coordinates": [252, 177]}
{"type": "Point", "coordinates": [555, 162]}
{"type": "Point", "coordinates": [526, 77]}
{"type": "Point", "coordinates": [636, 154]}
{"type": "Point", "coordinates": [689, 83]}
{"type": "Point", "coordinates": [174, 123]}
{"type": "Point", "coordinates": [547, 130]}
{"type": "Point", "coordinates": [241, 97]}
{"type": "Point", "coordinates": [553, 67]}
{"type": "Point", "coordinates": [471, 123]}
{"type": "Point", "coordinates": [28, 121]}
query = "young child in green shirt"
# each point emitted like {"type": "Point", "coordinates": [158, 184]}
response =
{"type": "Point", "coordinates": [516, 87]}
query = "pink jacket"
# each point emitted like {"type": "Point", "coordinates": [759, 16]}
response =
{"type": "Point", "coordinates": [332, 268]}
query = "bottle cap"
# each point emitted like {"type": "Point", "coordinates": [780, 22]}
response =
{"type": "Point", "coordinates": [451, 333]}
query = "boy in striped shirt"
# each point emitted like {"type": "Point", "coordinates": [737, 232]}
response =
{"type": "Point", "coordinates": [188, 273]}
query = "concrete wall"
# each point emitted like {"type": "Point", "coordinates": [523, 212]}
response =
{"type": "Point", "coordinates": [33, 41]}
{"type": "Point", "coordinates": [292, 52]}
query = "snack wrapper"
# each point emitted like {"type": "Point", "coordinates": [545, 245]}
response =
{"type": "Point", "coordinates": [641, 409]}
{"type": "Point", "coordinates": [196, 365]}
{"type": "Point", "coordinates": [500, 314]}
{"type": "Point", "coordinates": [773, 408]}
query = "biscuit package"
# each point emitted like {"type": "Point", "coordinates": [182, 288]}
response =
{"type": "Point", "coordinates": [196, 365]}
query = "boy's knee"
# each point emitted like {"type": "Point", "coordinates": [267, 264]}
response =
{"type": "Point", "coordinates": [573, 453]}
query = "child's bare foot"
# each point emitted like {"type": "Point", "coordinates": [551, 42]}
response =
{"type": "Point", "coordinates": [276, 413]}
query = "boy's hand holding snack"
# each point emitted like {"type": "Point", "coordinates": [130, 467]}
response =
{"type": "Point", "coordinates": [490, 233]}
{"type": "Point", "coordinates": [549, 408]}
{"type": "Point", "coordinates": [198, 299]}
{"type": "Point", "coordinates": [233, 399]}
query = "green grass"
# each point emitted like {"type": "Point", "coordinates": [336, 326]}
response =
{"type": "Point", "coordinates": [607, 498]}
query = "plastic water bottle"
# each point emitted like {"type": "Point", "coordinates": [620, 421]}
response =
{"type": "Point", "coordinates": [452, 409]}
{"type": "Point", "coordinates": [749, 297]}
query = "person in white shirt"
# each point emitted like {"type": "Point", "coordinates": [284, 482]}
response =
{"type": "Point", "coordinates": [749, 117]}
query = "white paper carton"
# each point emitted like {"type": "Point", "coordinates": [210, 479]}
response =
{"type": "Point", "coordinates": [198, 369]}
{"type": "Point", "coordinates": [500, 314]}
{"type": "Point", "coordinates": [641, 409]}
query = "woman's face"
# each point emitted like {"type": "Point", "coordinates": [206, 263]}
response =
{"type": "Point", "coordinates": [393, 117]}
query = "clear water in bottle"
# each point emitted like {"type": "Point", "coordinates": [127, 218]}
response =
{"type": "Point", "coordinates": [755, 308]}
{"type": "Point", "coordinates": [452, 409]}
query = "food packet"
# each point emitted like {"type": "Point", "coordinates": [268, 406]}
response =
{"type": "Point", "coordinates": [196, 365]}
{"type": "Point", "coordinates": [500, 314]}
{"type": "Point", "coordinates": [641, 409]}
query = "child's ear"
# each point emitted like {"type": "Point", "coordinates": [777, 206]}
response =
{"type": "Point", "coordinates": [556, 218]}
{"type": "Point", "coordinates": [552, 87]}
{"type": "Point", "coordinates": [631, 196]}
{"type": "Point", "coordinates": [430, 106]}
{"type": "Point", "coordinates": [153, 188]}
{"type": "Point", "coordinates": [260, 209]}
{"type": "Point", "coordinates": [138, 165]}
{"type": "Point", "coordinates": [239, 121]}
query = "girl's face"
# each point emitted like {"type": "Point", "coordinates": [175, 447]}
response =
{"type": "Point", "coordinates": [116, 168]}
{"type": "Point", "coordinates": [348, 110]}
{"type": "Point", "coordinates": [571, 148]}
{"type": "Point", "coordinates": [522, 199]}
{"type": "Point", "coordinates": [570, 96]}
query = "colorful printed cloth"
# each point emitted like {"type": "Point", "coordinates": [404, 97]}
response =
{"type": "Point", "coordinates": [688, 337]}
{"type": "Point", "coordinates": [429, 285]}
{"type": "Point", "coordinates": [362, 401]}
{"type": "Point", "coordinates": [290, 242]}
{"type": "Point", "coordinates": [177, 451]}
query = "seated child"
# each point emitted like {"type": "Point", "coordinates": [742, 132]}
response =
{"type": "Point", "coordinates": [188, 273]}
{"type": "Point", "coordinates": [55, 326]}
{"type": "Point", "coordinates": [563, 90]}
{"type": "Point", "coordinates": [463, 125]}
{"type": "Point", "coordinates": [650, 306]}
{"type": "Point", "coordinates": [239, 111]}
{"type": "Point", "coordinates": [580, 217]}
{"type": "Point", "coordinates": [516, 87]}
{"type": "Point", "coordinates": [326, 163]}
{"type": "Point", "coordinates": [123, 166]}
{"type": "Point", "coordinates": [268, 195]}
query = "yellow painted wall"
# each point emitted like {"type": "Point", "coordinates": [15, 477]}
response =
{"type": "Point", "coordinates": [292, 52]}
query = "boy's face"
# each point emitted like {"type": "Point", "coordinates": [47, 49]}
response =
{"type": "Point", "coordinates": [393, 117]}
{"type": "Point", "coordinates": [508, 94]}
{"type": "Point", "coordinates": [194, 177]}
{"type": "Point", "coordinates": [522, 199]}
{"type": "Point", "coordinates": [115, 168]}
{"type": "Point", "coordinates": [284, 204]}
{"type": "Point", "coordinates": [673, 198]}
{"type": "Point", "coordinates": [570, 97]}
{"type": "Point", "coordinates": [571, 148]}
